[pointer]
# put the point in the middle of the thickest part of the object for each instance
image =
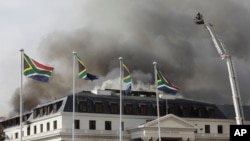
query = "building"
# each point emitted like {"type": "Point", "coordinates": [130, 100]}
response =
{"type": "Point", "coordinates": [97, 119]}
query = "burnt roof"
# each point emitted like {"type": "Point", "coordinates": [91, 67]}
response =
{"type": "Point", "coordinates": [137, 101]}
{"type": "Point", "coordinates": [178, 105]}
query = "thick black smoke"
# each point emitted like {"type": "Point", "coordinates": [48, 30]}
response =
{"type": "Point", "coordinates": [144, 31]}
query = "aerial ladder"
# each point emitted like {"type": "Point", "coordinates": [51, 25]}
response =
{"type": "Point", "coordinates": [232, 75]}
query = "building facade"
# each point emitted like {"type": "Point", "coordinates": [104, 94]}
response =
{"type": "Point", "coordinates": [97, 119]}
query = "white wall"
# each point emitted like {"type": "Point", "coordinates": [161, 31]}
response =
{"type": "Point", "coordinates": [201, 122]}
{"type": "Point", "coordinates": [64, 124]}
{"type": "Point", "coordinates": [10, 132]}
{"type": "Point", "coordinates": [43, 120]}
{"type": "Point", "coordinates": [129, 121]}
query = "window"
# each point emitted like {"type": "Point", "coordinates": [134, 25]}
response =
{"type": "Point", "coordinates": [37, 112]}
{"type": "Point", "coordinates": [198, 112]}
{"type": "Point", "coordinates": [82, 106]}
{"type": "Point", "coordinates": [211, 113]}
{"type": "Point", "coordinates": [28, 131]}
{"type": "Point", "coordinates": [129, 109]}
{"type": "Point", "coordinates": [98, 107]}
{"type": "Point", "coordinates": [41, 112]}
{"type": "Point", "coordinates": [16, 135]}
{"type": "Point", "coordinates": [144, 109]}
{"type": "Point", "coordinates": [77, 124]}
{"type": "Point", "coordinates": [48, 126]}
{"type": "Point", "coordinates": [114, 108]}
{"type": "Point", "coordinates": [16, 121]}
{"type": "Point", "coordinates": [207, 128]}
{"type": "Point", "coordinates": [41, 128]}
{"type": "Point", "coordinates": [45, 110]}
{"type": "Point", "coordinates": [160, 110]}
{"type": "Point", "coordinates": [108, 125]}
{"type": "Point", "coordinates": [34, 114]}
{"type": "Point", "coordinates": [171, 110]}
{"type": "Point", "coordinates": [122, 125]}
{"type": "Point", "coordinates": [92, 124]}
{"type": "Point", "coordinates": [49, 109]}
{"type": "Point", "coordinates": [55, 124]}
{"type": "Point", "coordinates": [185, 111]}
{"type": "Point", "coordinates": [220, 129]}
{"type": "Point", "coordinates": [34, 129]}
{"type": "Point", "coordinates": [25, 118]}
{"type": "Point", "coordinates": [54, 108]}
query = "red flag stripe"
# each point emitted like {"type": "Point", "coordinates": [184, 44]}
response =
{"type": "Point", "coordinates": [47, 68]}
{"type": "Point", "coordinates": [171, 84]}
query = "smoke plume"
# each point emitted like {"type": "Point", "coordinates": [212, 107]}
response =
{"type": "Point", "coordinates": [144, 31]}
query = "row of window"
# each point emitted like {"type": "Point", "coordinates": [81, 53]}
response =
{"type": "Point", "coordinates": [114, 108]}
{"type": "Point", "coordinates": [207, 129]}
{"type": "Point", "coordinates": [92, 125]}
{"type": "Point", "coordinates": [128, 109]}
{"type": "Point", "coordinates": [46, 110]}
{"type": "Point", "coordinates": [107, 125]}
{"type": "Point", "coordinates": [41, 128]}
{"type": "Point", "coordinates": [197, 112]}
{"type": "Point", "coordinates": [82, 106]}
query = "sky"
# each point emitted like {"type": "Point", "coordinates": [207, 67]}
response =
{"type": "Point", "coordinates": [23, 25]}
{"type": "Point", "coordinates": [141, 31]}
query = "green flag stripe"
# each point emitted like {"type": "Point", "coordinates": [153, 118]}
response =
{"type": "Point", "coordinates": [82, 69]}
{"type": "Point", "coordinates": [29, 67]}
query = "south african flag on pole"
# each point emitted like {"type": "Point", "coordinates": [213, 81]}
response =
{"type": "Point", "coordinates": [36, 70]}
{"type": "Point", "coordinates": [165, 85]}
{"type": "Point", "coordinates": [83, 74]}
{"type": "Point", "coordinates": [127, 79]}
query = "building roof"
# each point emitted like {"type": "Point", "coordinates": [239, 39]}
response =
{"type": "Point", "coordinates": [166, 117]}
{"type": "Point", "coordinates": [228, 111]}
{"type": "Point", "coordinates": [139, 103]}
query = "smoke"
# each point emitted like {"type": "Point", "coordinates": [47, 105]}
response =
{"type": "Point", "coordinates": [144, 31]}
{"type": "Point", "coordinates": [35, 92]}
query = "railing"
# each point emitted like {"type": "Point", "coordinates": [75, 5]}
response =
{"type": "Point", "coordinates": [68, 132]}
{"type": "Point", "coordinates": [212, 136]}
{"type": "Point", "coordinates": [89, 132]}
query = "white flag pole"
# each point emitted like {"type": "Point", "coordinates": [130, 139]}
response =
{"type": "Point", "coordinates": [120, 122]}
{"type": "Point", "coordinates": [166, 105]}
{"type": "Point", "coordinates": [73, 112]}
{"type": "Point", "coordinates": [157, 101]}
{"type": "Point", "coordinates": [21, 96]}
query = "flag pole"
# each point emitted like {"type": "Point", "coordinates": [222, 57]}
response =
{"type": "Point", "coordinates": [166, 105]}
{"type": "Point", "coordinates": [73, 117]}
{"type": "Point", "coordinates": [120, 122]}
{"type": "Point", "coordinates": [157, 101]}
{"type": "Point", "coordinates": [21, 96]}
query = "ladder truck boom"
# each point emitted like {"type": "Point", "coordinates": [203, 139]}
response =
{"type": "Point", "coordinates": [232, 75]}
